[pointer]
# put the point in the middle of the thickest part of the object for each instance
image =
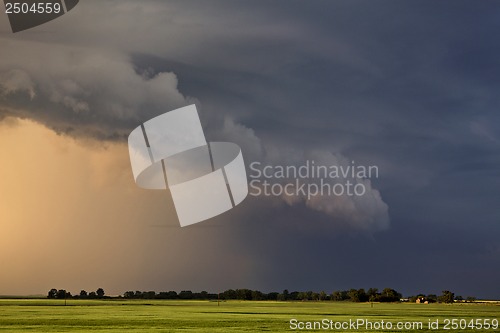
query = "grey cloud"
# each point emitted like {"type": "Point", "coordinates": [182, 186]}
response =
{"type": "Point", "coordinates": [411, 87]}
{"type": "Point", "coordinates": [80, 91]}
{"type": "Point", "coordinates": [366, 213]}
{"type": "Point", "coordinates": [101, 96]}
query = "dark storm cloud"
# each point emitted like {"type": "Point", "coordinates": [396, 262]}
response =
{"type": "Point", "coordinates": [409, 86]}
{"type": "Point", "coordinates": [81, 92]}
{"type": "Point", "coordinates": [100, 93]}
{"type": "Point", "coordinates": [419, 98]}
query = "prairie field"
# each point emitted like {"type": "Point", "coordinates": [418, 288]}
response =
{"type": "Point", "coordinates": [118, 315]}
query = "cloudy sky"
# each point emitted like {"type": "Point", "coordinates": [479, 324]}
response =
{"type": "Point", "coordinates": [411, 87]}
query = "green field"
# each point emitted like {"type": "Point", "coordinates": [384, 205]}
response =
{"type": "Point", "coordinates": [234, 316]}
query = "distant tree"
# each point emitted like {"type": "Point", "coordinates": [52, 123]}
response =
{"type": "Point", "coordinates": [339, 295]}
{"type": "Point", "coordinates": [229, 294]}
{"type": "Point", "coordinates": [162, 295]}
{"type": "Point", "coordinates": [83, 294]}
{"type": "Point", "coordinates": [61, 294]}
{"type": "Point", "coordinates": [446, 297]}
{"type": "Point", "coordinates": [390, 295]}
{"type": "Point", "coordinates": [257, 295]}
{"type": "Point", "coordinates": [471, 299]}
{"type": "Point", "coordinates": [459, 298]}
{"type": "Point", "coordinates": [322, 296]}
{"type": "Point", "coordinates": [373, 295]}
{"type": "Point", "coordinates": [172, 295]}
{"type": "Point", "coordinates": [273, 296]}
{"type": "Point", "coordinates": [52, 293]}
{"type": "Point", "coordinates": [244, 294]}
{"type": "Point", "coordinates": [129, 294]}
{"type": "Point", "coordinates": [294, 295]}
{"type": "Point", "coordinates": [92, 294]}
{"type": "Point", "coordinates": [286, 295]}
{"type": "Point", "coordinates": [100, 292]}
{"type": "Point", "coordinates": [149, 295]}
{"type": "Point", "coordinates": [363, 297]}
{"type": "Point", "coordinates": [186, 294]}
{"type": "Point", "coordinates": [353, 295]}
{"type": "Point", "coordinates": [302, 296]}
{"type": "Point", "coordinates": [357, 295]}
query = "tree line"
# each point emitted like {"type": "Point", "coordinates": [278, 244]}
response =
{"type": "Point", "coordinates": [63, 294]}
{"type": "Point", "coordinates": [352, 295]}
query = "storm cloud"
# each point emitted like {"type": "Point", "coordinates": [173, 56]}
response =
{"type": "Point", "coordinates": [411, 87]}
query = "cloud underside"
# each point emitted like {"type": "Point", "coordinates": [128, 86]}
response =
{"type": "Point", "coordinates": [409, 87]}
{"type": "Point", "coordinates": [88, 93]}
{"type": "Point", "coordinates": [101, 93]}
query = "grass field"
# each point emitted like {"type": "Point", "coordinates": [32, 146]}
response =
{"type": "Point", "coordinates": [203, 316]}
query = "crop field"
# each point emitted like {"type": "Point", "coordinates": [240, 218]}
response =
{"type": "Point", "coordinates": [245, 316]}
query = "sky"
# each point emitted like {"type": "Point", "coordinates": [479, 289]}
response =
{"type": "Point", "coordinates": [411, 87]}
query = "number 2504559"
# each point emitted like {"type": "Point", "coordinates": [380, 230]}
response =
{"type": "Point", "coordinates": [36, 8]}
{"type": "Point", "coordinates": [477, 324]}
